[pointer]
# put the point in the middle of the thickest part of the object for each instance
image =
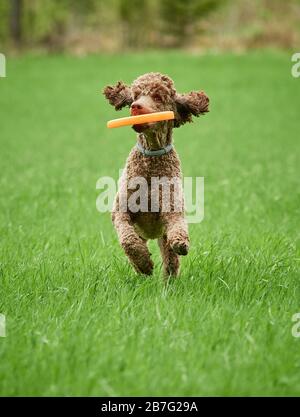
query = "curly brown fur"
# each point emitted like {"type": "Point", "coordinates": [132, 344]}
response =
{"type": "Point", "coordinates": [118, 96]}
{"type": "Point", "coordinates": [153, 92]}
{"type": "Point", "coordinates": [191, 104]}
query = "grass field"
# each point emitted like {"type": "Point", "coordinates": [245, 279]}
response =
{"type": "Point", "coordinates": [78, 319]}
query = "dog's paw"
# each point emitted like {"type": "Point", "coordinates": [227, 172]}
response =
{"type": "Point", "coordinates": [180, 247]}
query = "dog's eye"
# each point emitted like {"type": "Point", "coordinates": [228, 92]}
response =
{"type": "Point", "coordinates": [136, 94]}
{"type": "Point", "coordinates": [156, 97]}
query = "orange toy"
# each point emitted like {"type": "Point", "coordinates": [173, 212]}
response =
{"type": "Point", "coordinates": [140, 119]}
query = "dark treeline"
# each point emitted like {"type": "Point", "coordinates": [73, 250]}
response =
{"type": "Point", "coordinates": [127, 23]}
{"type": "Point", "coordinates": [114, 25]}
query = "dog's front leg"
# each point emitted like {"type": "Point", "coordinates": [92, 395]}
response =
{"type": "Point", "coordinates": [134, 246]}
{"type": "Point", "coordinates": [169, 257]}
{"type": "Point", "coordinates": [176, 231]}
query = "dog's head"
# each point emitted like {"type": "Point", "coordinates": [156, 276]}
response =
{"type": "Point", "coordinates": [154, 92]}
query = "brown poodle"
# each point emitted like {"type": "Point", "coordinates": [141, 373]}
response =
{"type": "Point", "coordinates": [153, 157]}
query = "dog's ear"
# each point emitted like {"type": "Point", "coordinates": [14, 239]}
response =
{"type": "Point", "coordinates": [119, 95]}
{"type": "Point", "coordinates": [188, 105]}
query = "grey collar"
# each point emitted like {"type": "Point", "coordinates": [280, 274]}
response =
{"type": "Point", "coordinates": [158, 152]}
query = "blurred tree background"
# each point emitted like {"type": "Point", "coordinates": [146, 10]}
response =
{"type": "Point", "coordinates": [85, 26]}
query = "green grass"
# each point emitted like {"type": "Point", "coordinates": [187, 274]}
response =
{"type": "Point", "coordinates": [79, 321]}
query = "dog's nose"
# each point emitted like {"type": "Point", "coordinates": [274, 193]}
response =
{"type": "Point", "coordinates": [136, 109]}
{"type": "Point", "coordinates": [136, 106]}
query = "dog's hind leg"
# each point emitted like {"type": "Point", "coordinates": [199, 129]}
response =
{"type": "Point", "coordinates": [169, 257]}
